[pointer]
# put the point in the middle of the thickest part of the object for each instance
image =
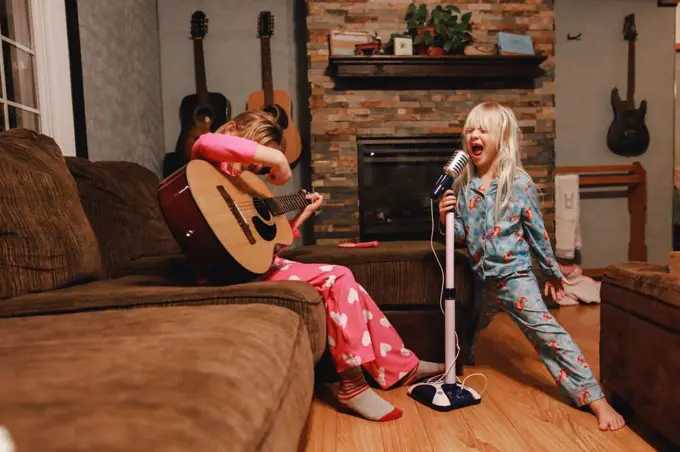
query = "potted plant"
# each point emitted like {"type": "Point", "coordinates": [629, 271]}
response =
{"type": "Point", "coordinates": [419, 27]}
{"type": "Point", "coordinates": [443, 31]}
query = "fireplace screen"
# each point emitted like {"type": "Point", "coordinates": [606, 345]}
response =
{"type": "Point", "coordinates": [396, 176]}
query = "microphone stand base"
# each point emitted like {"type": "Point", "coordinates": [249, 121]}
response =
{"type": "Point", "coordinates": [444, 396]}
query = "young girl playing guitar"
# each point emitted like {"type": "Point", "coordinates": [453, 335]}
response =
{"type": "Point", "coordinates": [359, 335]}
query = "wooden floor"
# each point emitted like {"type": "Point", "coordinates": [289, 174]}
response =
{"type": "Point", "coordinates": [520, 410]}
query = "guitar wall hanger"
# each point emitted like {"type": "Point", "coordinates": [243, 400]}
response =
{"type": "Point", "coordinates": [574, 38]}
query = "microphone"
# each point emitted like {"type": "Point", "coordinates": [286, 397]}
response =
{"type": "Point", "coordinates": [451, 170]}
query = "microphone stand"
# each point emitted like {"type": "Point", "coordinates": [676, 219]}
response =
{"type": "Point", "coordinates": [447, 395]}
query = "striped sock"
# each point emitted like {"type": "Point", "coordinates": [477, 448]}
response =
{"type": "Point", "coordinates": [355, 394]}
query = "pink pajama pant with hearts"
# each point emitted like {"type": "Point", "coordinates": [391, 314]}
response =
{"type": "Point", "coordinates": [359, 334]}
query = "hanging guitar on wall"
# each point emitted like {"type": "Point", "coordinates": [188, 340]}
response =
{"type": "Point", "coordinates": [275, 101]}
{"type": "Point", "coordinates": [201, 112]}
{"type": "Point", "coordinates": [628, 135]}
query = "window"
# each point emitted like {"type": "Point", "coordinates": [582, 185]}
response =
{"type": "Point", "coordinates": [19, 94]}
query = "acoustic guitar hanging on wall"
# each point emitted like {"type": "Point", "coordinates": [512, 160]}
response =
{"type": "Point", "coordinates": [628, 135]}
{"type": "Point", "coordinates": [276, 102]}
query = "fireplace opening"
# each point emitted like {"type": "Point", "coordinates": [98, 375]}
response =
{"type": "Point", "coordinates": [396, 175]}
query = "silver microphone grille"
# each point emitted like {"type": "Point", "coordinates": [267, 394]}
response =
{"type": "Point", "coordinates": [456, 163]}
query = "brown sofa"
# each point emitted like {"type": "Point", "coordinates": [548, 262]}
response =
{"type": "Point", "coordinates": [640, 344]}
{"type": "Point", "coordinates": [107, 343]}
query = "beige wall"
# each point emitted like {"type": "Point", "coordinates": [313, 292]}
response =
{"type": "Point", "coordinates": [587, 70]}
{"type": "Point", "coordinates": [232, 54]}
{"type": "Point", "coordinates": [121, 77]}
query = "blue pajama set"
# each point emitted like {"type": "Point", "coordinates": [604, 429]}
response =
{"type": "Point", "coordinates": [500, 255]}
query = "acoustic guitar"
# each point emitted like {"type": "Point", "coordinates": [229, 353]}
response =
{"type": "Point", "coordinates": [275, 101]}
{"type": "Point", "coordinates": [201, 112]}
{"type": "Point", "coordinates": [628, 135]}
{"type": "Point", "coordinates": [228, 227]}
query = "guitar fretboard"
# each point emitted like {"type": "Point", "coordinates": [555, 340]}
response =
{"type": "Point", "coordinates": [199, 69]}
{"type": "Point", "coordinates": [287, 203]}
{"type": "Point", "coordinates": [267, 77]}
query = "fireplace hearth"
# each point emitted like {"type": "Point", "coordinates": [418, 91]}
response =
{"type": "Point", "coordinates": [396, 175]}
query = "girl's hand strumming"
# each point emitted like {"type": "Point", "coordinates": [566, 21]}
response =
{"type": "Point", "coordinates": [446, 204]}
{"type": "Point", "coordinates": [280, 173]}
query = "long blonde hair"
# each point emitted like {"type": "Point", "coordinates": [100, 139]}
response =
{"type": "Point", "coordinates": [501, 125]}
{"type": "Point", "coordinates": [255, 125]}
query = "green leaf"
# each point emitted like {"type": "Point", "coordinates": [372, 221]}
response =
{"type": "Point", "coordinates": [442, 30]}
{"type": "Point", "coordinates": [453, 8]}
{"type": "Point", "coordinates": [411, 24]}
{"type": "Point", "coordinates": [448, 45]}
{"type": "Point", "coordinates": [460, 27]}
{"type": "Point", "coordinates": [422, 12]}
{"type": "Point", "coordinates": [418, 40]}
{"type": "Point", "coordinates": [466, 17]}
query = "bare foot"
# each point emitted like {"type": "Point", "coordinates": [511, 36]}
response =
{"type": "Point", "coordinates": [608, 418]}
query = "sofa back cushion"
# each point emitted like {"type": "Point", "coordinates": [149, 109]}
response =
{"type": "Point", "coordinates": [46, 240]}
{"type": "Point", "coordinates": [121, 202]}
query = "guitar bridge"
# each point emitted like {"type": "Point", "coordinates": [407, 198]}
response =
{"type": "Point", "coordinates": [242, 222]}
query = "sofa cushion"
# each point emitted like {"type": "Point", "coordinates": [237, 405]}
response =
{"type": "Point", "coordinates": [644, 289]}
{"type": "Point", "coordinates": [155, 290]}
{"type": "Point", "coordinates": [173, 378]}
{"type": "Point", "coordinates": [46, 240]}
{"type": "Point", "coordinates": [394, 273]}
{"type": "Point", "coordinates": [120, 201]}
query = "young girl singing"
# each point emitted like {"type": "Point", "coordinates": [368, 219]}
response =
{"type": "Point", "coordinates": [497, 215]}
{"type": "Point", "coordinates": [359, 334]}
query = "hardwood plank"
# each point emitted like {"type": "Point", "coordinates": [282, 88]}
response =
{"type": "Point", "coordinates": [355, 434]}
{"type": "Point", "coordinates": [321, 431]}
{"type": "Point", "coordinates": [408, 434]}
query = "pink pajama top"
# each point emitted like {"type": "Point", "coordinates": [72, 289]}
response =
{"type": "Point", "coordinates": [225, 150]}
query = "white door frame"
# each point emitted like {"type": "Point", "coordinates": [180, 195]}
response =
{"type": "Point", "coordinates": [53, 72]}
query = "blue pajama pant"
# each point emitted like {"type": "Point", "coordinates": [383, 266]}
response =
{"type": "Point", "coordinates": [520, 296]}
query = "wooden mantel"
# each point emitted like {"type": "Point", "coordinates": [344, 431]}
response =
{"type": "Point", "coordinates": [460, 66]}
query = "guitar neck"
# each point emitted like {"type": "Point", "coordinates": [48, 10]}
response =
{"type": "Point", "coordinates": [630, 97]}
{"type": "Point", "coordinates": [199, 68]}
{"type": "Point", "coordinates": [267, 78]}
{"type": "Point", "coordinates": [279, 205]}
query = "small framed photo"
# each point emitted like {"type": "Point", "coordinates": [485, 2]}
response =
{"type": "Point", "coordinates": [403, 46]}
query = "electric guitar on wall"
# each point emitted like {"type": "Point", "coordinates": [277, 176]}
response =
{"type": "Point", "coordinates": [201, 112]}
{"type": "Point", "coordinates": [274, 101]}
{"type": "Point", "coordinates": [628, 135]}
{"type": "Point", "coordinates": [228, 227]}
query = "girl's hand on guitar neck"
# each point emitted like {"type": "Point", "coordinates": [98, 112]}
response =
{"type": "Point", "coordinates": [317, 202]}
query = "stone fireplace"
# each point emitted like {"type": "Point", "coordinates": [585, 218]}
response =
{"type": "Point", "coordinates": [348, 119]}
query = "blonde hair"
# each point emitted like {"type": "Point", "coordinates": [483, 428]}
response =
{"type": "Point", "coordinates": [501, 125]}
{"type": "Point", "coordinates": [255, 125]}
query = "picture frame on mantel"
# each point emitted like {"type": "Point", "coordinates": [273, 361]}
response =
{"type": "Point", "coordinates": [673, 3]}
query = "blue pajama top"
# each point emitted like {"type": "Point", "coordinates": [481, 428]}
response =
{"type": "Point", "coordinates": [501, 248]}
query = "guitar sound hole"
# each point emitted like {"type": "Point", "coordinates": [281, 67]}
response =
{"type": "Point", "coordinates": [278, 113]}
{"type": "Point", "coordinates": [261, 209]}
{"type": "Point", "coordinates": [266, 231]}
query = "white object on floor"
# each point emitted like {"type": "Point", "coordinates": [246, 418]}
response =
{"type": "Point", "coordinates": [567, 216]}
{"type": "Point", "coordinates": [6, 444]}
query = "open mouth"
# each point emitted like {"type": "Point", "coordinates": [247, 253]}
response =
{"type": "Point", "coordinates": [477, 149]}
